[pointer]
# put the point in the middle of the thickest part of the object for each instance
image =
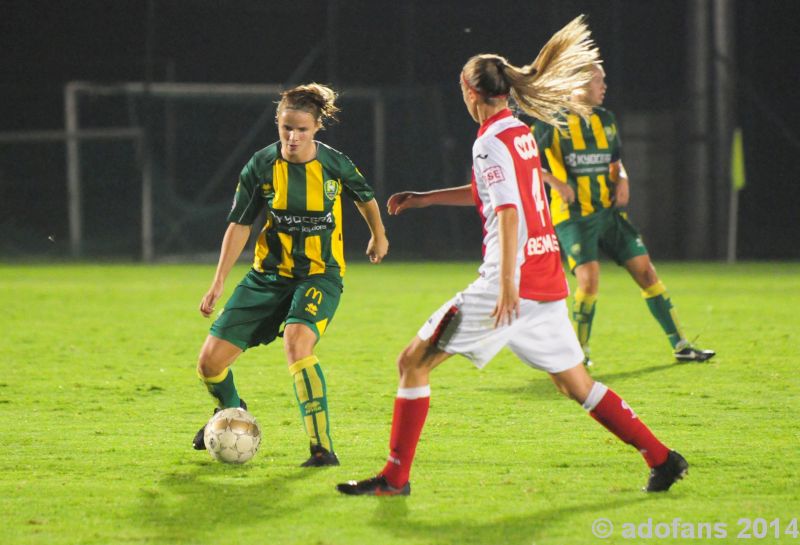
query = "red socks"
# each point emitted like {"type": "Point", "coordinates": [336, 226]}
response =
{"type": "Point", "coordinates": [410, 411]}
{"type": "Point", "coordinates": [612, 412]}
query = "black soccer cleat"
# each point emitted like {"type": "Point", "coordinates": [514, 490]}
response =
{"type": "Point", "coordinates": [587, 362]}
{"type": "Point", "coordinates": [320, 457]}
{"type": "Point", "coordinates": [199, 443]}
{"type": "Point", "coordinates": [662, 477]}
{"type": "Point", "coordinates": [692, 353]}
{"type": "Point", "coordinates": [376, 486]}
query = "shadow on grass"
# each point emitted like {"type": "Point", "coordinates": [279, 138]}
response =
{"type": "Point", "coordinates": [609, 378]}
{"type": "Point", "coordinates": [391, 514]}
{"type": "Point", "coordinates": [199, 498]}
{"type": "Point", "coordinates": [543, 387]}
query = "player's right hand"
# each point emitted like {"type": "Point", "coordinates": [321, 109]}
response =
{"type": "Point", "coordinates": [507, 307]}
{"type": "Point", "coordinates": [402, 201]}
{"type": "Point", "coordinates": [209, 300]}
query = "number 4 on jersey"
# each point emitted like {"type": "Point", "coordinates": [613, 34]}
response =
{"type": "Point", "coordinates": [538, 196]}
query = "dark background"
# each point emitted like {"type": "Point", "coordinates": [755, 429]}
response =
{"type": "Point", "coordinates": [414, 51]}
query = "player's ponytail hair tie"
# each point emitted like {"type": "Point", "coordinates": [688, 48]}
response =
{"type": "Point", "coordinates": [485, 76]}
{"type": "Point", "coordinates": [314, 98]}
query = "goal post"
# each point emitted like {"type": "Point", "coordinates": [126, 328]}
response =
{"type": "Point", "coordinates": [264, 94]}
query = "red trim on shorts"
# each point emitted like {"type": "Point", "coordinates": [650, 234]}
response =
{"type": "Point", "coordinates": [443, 323]}
{"type": "Point", "coordinates": [504, 206]}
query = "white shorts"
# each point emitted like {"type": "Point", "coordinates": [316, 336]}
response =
{"type": "Point", "coordinates": [542, 337]}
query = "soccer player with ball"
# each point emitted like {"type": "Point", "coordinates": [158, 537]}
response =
{"type": "Point", "coordinates": [296, 278]}
{"type": "Point", "coordinates": [519, 299]}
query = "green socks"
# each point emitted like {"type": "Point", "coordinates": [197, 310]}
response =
{"type": "Point", "coordinates": [223, 389]}
{"type": "Point", "coordinates": [582, 316]}
{"type": "Point", "coordinates": [661, 308]}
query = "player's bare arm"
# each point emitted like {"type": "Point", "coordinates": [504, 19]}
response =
{"type": "Point", "coordinates": [563, 188]}
{"type": "Point", "coordinates": [378, 245]}
{"type": "Point", "coordinates": [507, 307]}
{"type": "Point", "coordinates": [622, 195]}
{"type": "Point", "coordinates": [234, 241]}
{"type": "Point", "coordinates": [452, 196]}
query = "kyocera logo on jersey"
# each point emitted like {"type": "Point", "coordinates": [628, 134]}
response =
{"type": "Point", "coordinates": [542, 244]}
{"type": "Point", "coordinates": [526, 146]}
{"type": "Point", "coordinates": [493, 175]}
{"type": "Point", "coordinates": [587, 159]}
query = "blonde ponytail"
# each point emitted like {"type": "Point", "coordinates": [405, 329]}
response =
{"type": "Point", "coordinates": [543, 88]}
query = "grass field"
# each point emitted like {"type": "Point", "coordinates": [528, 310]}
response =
{"type": "Point", "coordinates": [99, 402]}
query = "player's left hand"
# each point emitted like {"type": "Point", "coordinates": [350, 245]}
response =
{"type": "Point", "coordinates": [507, 307]}
{"type": "Point", "coordinates": [377, 248]}
{"type": "Point", "coordinates": [621, 193]}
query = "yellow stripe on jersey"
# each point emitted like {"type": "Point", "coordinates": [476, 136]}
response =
{"type": "Point", "coordinates": [559, 211]}
{"type": "Point", "coordinates": [585, 195]}
{"type": "Point", "coordinates": [314, 255]}
{"type": "Point", "coordinates": [605, 194]}
{"type": "Point", "coordinates": [280, 182]}
{"type": "Point", "coordinates": [555, 158]}
{"type": "Point", "coordinates": [337, 244]}
{"type": "Point", "coordinates": [287, 261]}
{"type": "Point", "coordinates": [599, 132]}
{"type": "Point", "coordinates": [575, 132]}
{"type": "Point", "coordinates": [321, 325]}
{"type": "Point", "coordinates": [262, 250]}
{"type": "Point", "coordinates": [314, 187]}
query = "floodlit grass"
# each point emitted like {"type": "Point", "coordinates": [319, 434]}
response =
{"type": "Point", "coordinates": [99, 402]}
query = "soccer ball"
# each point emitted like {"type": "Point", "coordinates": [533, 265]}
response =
{"type": "Point", "coordinates": [232, 436]}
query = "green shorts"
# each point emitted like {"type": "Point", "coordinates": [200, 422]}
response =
{"type": "Point", "coordinates": [262, 302]}
{"type": "Point", "coordinates": [608, 230]}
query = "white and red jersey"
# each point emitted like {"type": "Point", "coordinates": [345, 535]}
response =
{"type": "Point", "coordinates": [506, 172]}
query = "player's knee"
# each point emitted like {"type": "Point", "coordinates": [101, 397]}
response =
{"type": "Point", "coordinates": [649, 277]}
{"type": "Point", "coordinates": [403, 362]}
{"type": "Point", "coordinates": [408, 363]}
{"type": "Point", "coordinates": [575, 385]}
{"type": "Point", "coordinates": [298, 342]}
{"type": "Point", "coordinates": [208, 366]}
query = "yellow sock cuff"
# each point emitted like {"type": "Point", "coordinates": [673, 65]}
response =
{"type": "Point", "coordinates": [299, 365]}
{"type": "Point", "coordinates": [214, 380]}
{"type": "Point", "coordinates": [585, 298]}
{"type": "Point", "coordinates": [655, 290]}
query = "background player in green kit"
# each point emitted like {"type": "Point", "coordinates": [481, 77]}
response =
{"type": "Point", "coordinates": [585, 169]}
{"type": "Point", "coordinates": [299, 263]}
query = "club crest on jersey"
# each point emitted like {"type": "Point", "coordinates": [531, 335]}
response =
{"type": "Point", "coordinates": [266, 188]}
{"type": "Point", "coordinates": [331, 189]}
{"type": "Point", "coordinates": [493, 175]}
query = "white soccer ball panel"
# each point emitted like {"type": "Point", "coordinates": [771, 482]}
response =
{"type": "Point", "coordinates": [232, 436]}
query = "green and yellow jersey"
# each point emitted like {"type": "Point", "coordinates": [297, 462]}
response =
{"type": "Point", "coordinates": [580, 154]}
{"type": "Point", "coordinates": [302, 235]}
